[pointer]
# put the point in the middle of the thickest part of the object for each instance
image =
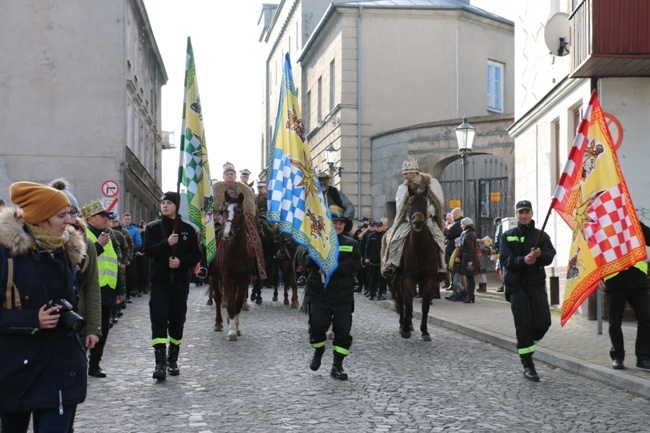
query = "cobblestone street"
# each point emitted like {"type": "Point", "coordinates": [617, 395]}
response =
{"type": "Point", "coordinates": [262, 382]}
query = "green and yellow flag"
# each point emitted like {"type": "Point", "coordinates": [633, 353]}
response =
{"type": "Point", "coordinates": [194, 170]}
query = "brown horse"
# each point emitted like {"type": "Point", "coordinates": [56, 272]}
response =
{"type": "Point", "coordinates": [420, 267]}
{"type": "Point", "coordinates": [230, 272]}
{"type": "Point", "coordinates": [287, 265]}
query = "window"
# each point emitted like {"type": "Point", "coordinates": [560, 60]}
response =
{"type": "Point", "coordinates": [332, 87]}
{"type": "Point", "coordinates": [319, 106]}
{"type": "Point", "coordinates": [495, 87]}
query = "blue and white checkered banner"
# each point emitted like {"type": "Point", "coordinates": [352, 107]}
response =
{"type": "Point", "coordinates": [295, 199]}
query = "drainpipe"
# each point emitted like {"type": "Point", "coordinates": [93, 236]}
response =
{"type": "Point", "coordinates": [359, 110]}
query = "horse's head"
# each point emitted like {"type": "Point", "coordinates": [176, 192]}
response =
{"type": "Point", "coordinates": [417, 209]}
{"type": "Point", "coordinates": [233, 216]}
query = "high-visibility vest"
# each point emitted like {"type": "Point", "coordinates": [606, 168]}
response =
{"type": "Point", "coordinates": [642, 266]}
{"type": "Point", "coordinates": [106, 263]}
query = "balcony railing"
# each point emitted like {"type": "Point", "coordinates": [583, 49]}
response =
{"type": "Point", "coordinates": [610, 38]}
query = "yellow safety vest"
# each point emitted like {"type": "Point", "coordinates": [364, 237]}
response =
{"type": "Point", "coordinates": [642, 266]}
{"type": "Point", "coordinates": [106, 263]}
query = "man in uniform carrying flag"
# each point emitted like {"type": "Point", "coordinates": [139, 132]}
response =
{"type": "Point", "coordinates": [296, 203]}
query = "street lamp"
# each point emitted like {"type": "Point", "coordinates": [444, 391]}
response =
{"type": "Point", "coordinates": [330, 154]}
{"type": "Point", "coordinates": [465, 136]}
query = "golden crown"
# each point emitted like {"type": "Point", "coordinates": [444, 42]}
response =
{"type": "Point", "coordinates": [410, 166]}
{"type": "Point", "coordinates": [92, 208]}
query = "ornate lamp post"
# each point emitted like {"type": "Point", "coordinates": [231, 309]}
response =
{"type": "Point", "coordinates": [465, 136]}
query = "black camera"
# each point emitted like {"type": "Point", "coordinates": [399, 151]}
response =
{"type": "Point", "coordinates": [70, 320]}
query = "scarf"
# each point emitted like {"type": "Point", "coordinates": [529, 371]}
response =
{"type": "Point", "coordinates": [46, 239]}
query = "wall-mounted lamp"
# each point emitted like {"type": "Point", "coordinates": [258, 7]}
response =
{"type": "Point", "coordinates": [330, 154]}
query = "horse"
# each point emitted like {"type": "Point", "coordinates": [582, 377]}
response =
{"type": "Point", "coordinates": [230, 273]}
{"type": "Point", "coordinates": [420, 267]}
{"type": "Point", "coordinates": [286, 263]}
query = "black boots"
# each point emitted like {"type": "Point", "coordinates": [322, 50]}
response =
{"type": "Point", "coordinates": [337, 368]}
{"type": "Point", "coordinates": [160, 373]}
{"type": "Point", "coordinates": [529, 368]}
{"type": "Point", "coordinates": [315, 361]}
{"type": "Point", "coordinates": [482, 287]}
{"type": "Point", "coordinates": [172, 360]}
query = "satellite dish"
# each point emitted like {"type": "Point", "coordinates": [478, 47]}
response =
{"type": "Point", "coordinates": [556, 34]}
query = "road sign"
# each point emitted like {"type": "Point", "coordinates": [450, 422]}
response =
{"type": "Point", "coordinates": [110, 188]}
{"type": "Point", "coordinates": [110, 204]}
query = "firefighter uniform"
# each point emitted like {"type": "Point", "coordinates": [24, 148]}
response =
{"type": "Point", "coordinates": [333, 304]}
{"type": "Point", "coordinates": [525, 287]}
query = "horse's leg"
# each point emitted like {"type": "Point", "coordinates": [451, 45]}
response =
{"type": "Point", "coordinates": [276, 281]}
{"type": "Point", "coordinates": [294, 289]}
{"type": "Point", "coordinates": [215, 294]}
{"type": "Point", "coordinates": [237, 325]}
{"type": "Point", "coordinates": [409, 290]}
{"type": "Point", "coordinates": [245, 306]}
{"type": "Point", "coordinates": [286, 280]}
{"type": "Point", "coordinates": [404, 330]}
{"type": "Point", "coordinates": [427, 288]}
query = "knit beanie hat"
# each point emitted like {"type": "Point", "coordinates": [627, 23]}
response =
{"type": "Point", "coordinates": [62, 185]}
{"type": "Point", "coordinates": [229, 166]}
{"type": "Point", "coordinates": [38, 202]}
{"type": "Point", "coordinates": [170, 195]}
{"type": "Point", "coordinates": [466, 221]}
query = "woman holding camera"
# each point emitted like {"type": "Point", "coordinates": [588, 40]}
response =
{"type": "Point", "coordinates": [42, 356]}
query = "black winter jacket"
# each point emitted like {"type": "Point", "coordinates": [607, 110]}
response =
{"type": "Point", "coordinates": [39, 368]}
{"type": "Point", "coordinates": [340, 288]}
{"type": "Point", "coordinates": [157, 248]}
{"type": "Point", "coordinates": [515, 244]}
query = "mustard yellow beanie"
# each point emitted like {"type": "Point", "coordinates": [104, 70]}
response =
{"type": "Point", "coordinates": [38, 202]}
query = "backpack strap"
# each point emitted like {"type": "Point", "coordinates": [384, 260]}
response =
{"type": "Point", "coordinates": [12, 297]}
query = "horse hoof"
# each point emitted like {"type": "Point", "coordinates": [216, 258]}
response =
{"type": "Point", "coordinates": [286, 302]}
{"type": "Point", "coordinates": [239, 333]}
{"type": "Point", "coordinates": [258, 300]}
{"type": "Point", "coordinates": [426, 337]}
{"type": "Point", "coordinates": [294, 304]}
{"type": "Point", "coordinates": [405, 334]}
{"type": "Point", "coordinates": [275, 299]}
{"type": "Point", "coordinates": [218, 327]}
{"type": "Point", "coordinates": [232, 336]}
{"type": "Point", "coordinates": [244, 307]}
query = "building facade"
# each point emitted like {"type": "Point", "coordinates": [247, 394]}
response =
{"type": "Point", "coordinates": [553, 83]}
{"type": "Point", "coordinates": [80, 99]}
{"type": "Point", "coordinates": [370, 67]}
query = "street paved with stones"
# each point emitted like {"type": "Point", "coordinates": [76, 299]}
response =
{"type": "Point", "coordinates": [262, 383]}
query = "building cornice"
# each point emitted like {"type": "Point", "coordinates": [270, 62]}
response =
{"type": "Point", "coordinates": [548, 102]}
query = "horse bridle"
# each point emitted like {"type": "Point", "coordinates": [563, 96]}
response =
{"type": "Point", "coordinates": [413, 225]}
{"type": "Point", "coordinates": [237, 229]}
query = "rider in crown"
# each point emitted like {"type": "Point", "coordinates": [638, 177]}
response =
{"type": "Point", "coordinates": [415, 181]}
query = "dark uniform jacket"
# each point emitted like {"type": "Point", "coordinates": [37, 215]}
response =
{"type": "Point", "coordinates": [340, 288]}
{"type": "Point", "coordinates": [515, 244]}
{"type": "Point", "coordinates": [373, 247]}
{"type": "Point", "coordinates": [157, 248]}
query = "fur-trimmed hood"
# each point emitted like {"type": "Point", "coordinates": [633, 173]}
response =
{"type": "Point", "coordinates": [18, 242]}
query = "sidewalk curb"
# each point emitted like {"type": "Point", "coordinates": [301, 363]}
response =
{"type": "Point", "coordinates": [617, 379]}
